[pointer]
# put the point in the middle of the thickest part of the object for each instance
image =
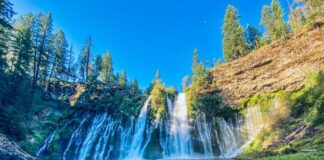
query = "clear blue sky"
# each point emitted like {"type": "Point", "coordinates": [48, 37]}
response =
{"type": "Point", "coordinates": [146, 35]}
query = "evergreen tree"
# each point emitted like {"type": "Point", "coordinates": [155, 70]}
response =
{"type": "Point", "coordinates": [272, 20]}
{"type": "Point", "coordinates": [85, 59]}
{"type": "Point", "coordinates": [44, 35]}
{"type": "Point", "coordinates": [59, 57]}
{"type": "Point", "coordinates": [22, 44]}
{"type": "Point", "coordinates": [134, 89]}
{"type": "Point", "coordinates": [123, 79]}
{"type": "Point", "coordinates": [234, 43]}
{"type": "Point", "coordinates": [106, 73]}
{"type": "Point", "coordinates": [195, 60]}
{"type": "Point", "coordinates": [6, 13]}
{"type": "Point", "coordinates": [303, 11]}
{"type": "Point", "coordinates": [313, 8]}
{"type": "Point", "coordinates": [253, 37]}
{"type": "Point", "coordinates": [70, 63]}
{"type": "Point", "coordinates": [198, 68]}
{"type": "Point", "coordinates": [155, 81]}
{"type": "Point", "coordinates": [98, 65]}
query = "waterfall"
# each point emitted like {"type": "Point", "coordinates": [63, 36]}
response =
{"type": "Point", "coordinates": [136, 145]}
{"type": "Point", "coordinates": [75, 137]}
{"type": "Point", "coordinates": [100, 136]}
{"type": "Point", "coordinates": [93, 132]}
{"type": "Point", "coordinates": [254, 122]}
{"type": "Point", "coordinates": [46, 143]}
{"type": "Point", "coordinates": [179, 140]}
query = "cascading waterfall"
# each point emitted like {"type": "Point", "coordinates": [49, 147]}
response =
{"type": "Point", "coordinates": [100, 136]}
{"type": "Point", "coordinates": [136, 145]}
{"type": "Point", "coordinates": [46, 143]}
{"type": "Point", "coordinates": [254, 122]}
{"type": "Point", "coordinates": [75, 137]}
{"type": "Point", "coordinates": [179, 135]}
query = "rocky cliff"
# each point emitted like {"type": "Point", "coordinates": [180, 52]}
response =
{"type": "Point", "coordinates": [279, 66]}
{"type": "Point", "coordinates": [10, 150]}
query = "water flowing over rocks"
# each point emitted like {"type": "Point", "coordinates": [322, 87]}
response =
{"type": "Point", "coordinates": [101, 136]}
{"type": "Point", "coordinates": [279, 66]}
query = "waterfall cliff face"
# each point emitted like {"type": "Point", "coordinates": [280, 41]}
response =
{"type": "Point", "coordinates": [99, 136]}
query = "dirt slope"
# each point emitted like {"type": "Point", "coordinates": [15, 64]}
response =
{"type": "Point", "coordinates": [280, 66]}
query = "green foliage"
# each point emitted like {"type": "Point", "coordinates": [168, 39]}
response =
{"type": "Point", "coordinates": [6, 13]}
{"type": "Point", "coordinates": [306, 107]}
{"type": "Point", "coordinates": [158, 100]}
{"type": "Point", "coordinates": [261, 141]}
{"type": "Point", "coordinates": [113, 99]}
{"type": "Point", "coordinates": [106, 73]}
{"type": "Point", "coordinates": [171, 93]}
{"type": "Point", "coordinates": [22, 45]}
{"type": "Point", "coordinates": [85, 59]}
{"type": "Point", "coordinates": [213, 106]}
{"type": "Point", "coordinates": [134, 89]}
{"type": "Point", "coordinates": [234, 42]}
{"type": "Point", "coordinates": [59, 57]}
{"type": "Point", "coordinates": [97, 66]}
{"type": "Point", "coordinates": [297, 156]}
{"type": "Point", "coordinates": [310, 101]}
{"type": "Point", "coordinates": [253, 35]}
{"type": "Point", "coordinates": [130, 106]}
{"type": "Point", "coordinates": [209, 103]}
{"type": "Point", "coordinates": [264, 100]}
{"type": "Point", "coordinates": [272, 20]}
{"type": "Point", "coordinates": [123, 79]}
{"type": "Point", "coordinates": [42, 49]}
{"type": "Point", "coordinates": [305, 12]}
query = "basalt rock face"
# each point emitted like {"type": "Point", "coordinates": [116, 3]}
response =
{"type": "Point", "coordinates": [10, 151]}
{"type": "Point", "coordinates": [279, 66]}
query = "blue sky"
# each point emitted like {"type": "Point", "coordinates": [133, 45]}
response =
{"type": "Point", "coordinates": [146, 35]}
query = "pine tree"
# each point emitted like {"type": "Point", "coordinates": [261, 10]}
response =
{"type": "Point", "coordinates": [313, 8]}
{"type": "Point", "coordinates": [123, 79]}
{"type": "Point", "coordinates": [272, 20]}
{"type": "Point", "coordinates": [59, 57]}
{"type": "Point", "coordinates": [156, 80]}
{"type": "Point", "coordinates": [85, 59]}
{"type": "Point", "coordinates": [195, 60]}
{"type": "Point", "coordinates": [98, 65]}
{"type": "Point", "coordinates": [253, 35]}
{"type": "Point", "coordinates": [22, 44]}
{"type": "Point", "coordinates": [6, 13]}
{"type": "Point", "coordinates": [70, 63]}
{"type": "Point", "coordinates": [134, 89]}
{"type": "Point", "coordinates": [44, 35]}
{"type": "Point", "coordinates": [198, 68]}
{"type": "Point", "coordinates": [305, 12]}
{"type": "Point", "coordinates": [106, 73]}
{"type": "Point", "coordinates": [234, 43]}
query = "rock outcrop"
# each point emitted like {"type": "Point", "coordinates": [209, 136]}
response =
{"type": "Point", "coordinates": [10, 151]}
{"type": "Point", "coordinates": [279, 66]}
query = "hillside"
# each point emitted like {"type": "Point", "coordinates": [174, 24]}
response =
{"type": "Point", "coordinates": [279, 66]}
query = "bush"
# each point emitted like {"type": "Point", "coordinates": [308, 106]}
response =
{"type": "Point", "coordinates": [310, 100]}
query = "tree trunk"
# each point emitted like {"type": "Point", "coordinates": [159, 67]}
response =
{"type": "Point", "coordinates": [50, 75]}
{"type": "Point", "coordinates": [41, 50]}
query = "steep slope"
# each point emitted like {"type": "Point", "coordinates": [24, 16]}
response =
{"type": "Point", "coordinates": [279, 66]}
{"type": "Point", "coordinates": [9, 150]}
